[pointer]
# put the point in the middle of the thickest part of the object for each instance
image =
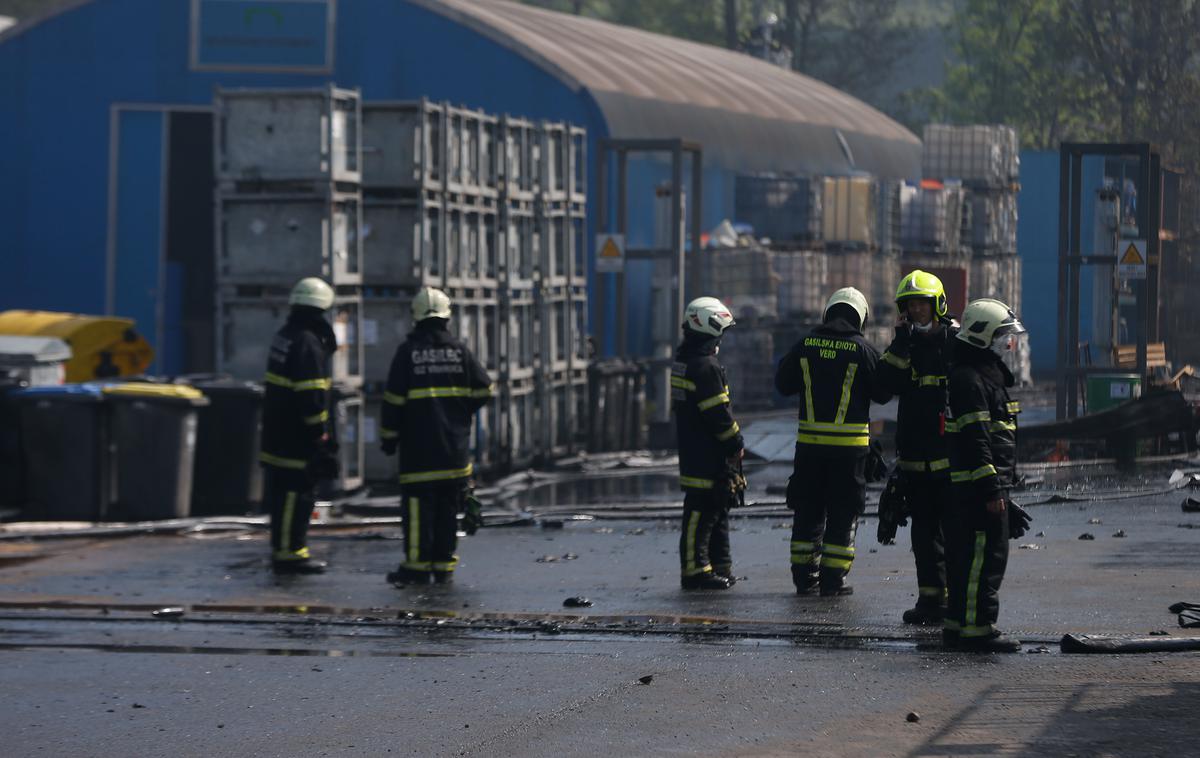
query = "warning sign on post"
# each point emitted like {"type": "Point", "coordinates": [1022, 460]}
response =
{"type": "Point", "coordinates": [610, 253]}
{"type": "Point", "coordinates": [1131, 259]}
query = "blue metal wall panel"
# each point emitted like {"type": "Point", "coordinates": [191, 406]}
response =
{"type": "Point", "coordinates": [1037, 242]}
{"type": "Point", "coordinates": [63, 75]}
{"type": "Point", "coordinates": [139, 221]}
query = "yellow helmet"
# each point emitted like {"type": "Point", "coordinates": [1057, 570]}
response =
{"type": "Point", "coordinates": [922, 284]}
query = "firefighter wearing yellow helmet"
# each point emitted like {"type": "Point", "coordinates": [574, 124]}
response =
{"type": "Point", "coordinates": [915, 368]}
{"type": "Point", "coordinates": [835, 370]}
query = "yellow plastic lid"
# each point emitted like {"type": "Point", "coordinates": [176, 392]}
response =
{"type": "Point", "coordinates": [155, 391]}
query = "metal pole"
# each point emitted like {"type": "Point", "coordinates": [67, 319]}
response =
{"type": "Point", "coordinates": [622, 228]}
{"type": "Point", "coordinates": [697, 205]}
{"type": "Point", "coordinates": [1142, 288]}
{"type": "Point", "coordinates": [1074, 270]}
{"type": "Point", "coordinates": [1064, 196]}
{"type": "Point", "coordinates": [603, 284]}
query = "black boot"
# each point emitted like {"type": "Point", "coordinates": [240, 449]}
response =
{"type": "Point", "coordinates": [300, 566]}
{"type": "Point", "coordinates": [706, 581]}
{"type": "Point", "coordinates": [836, 590]}
{"type": "Point", "coordinates": [996, 642]}
{"type": "Point", "coordinates": [805, 580]}
{"type": "Point", "coordinates": [925, 615]}
{"type": "Point", "coordinates": [727, 572]}
{"type": "Point", "coordinates": [443, 577]}
{"type": "Point", "coordinates": [403, 577]}
{"type": "Point", "coordinates": [950, 638]}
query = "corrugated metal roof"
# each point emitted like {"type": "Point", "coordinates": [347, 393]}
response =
{"type": "Point", "coordinates": [747, 114]}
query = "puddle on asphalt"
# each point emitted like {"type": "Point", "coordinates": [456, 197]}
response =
{"type": "Point", "coordinates": [193, 650]}
{"type": "Point", "coordinates": [631, 488]}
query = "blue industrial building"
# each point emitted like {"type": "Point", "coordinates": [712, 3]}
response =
{"type": "Point", "coordinates": [106, 178]}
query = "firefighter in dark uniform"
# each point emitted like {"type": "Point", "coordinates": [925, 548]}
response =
{"type": "Point", "coordinates": [710, 447]}
{"type": "Point", "coordinates": [915, 368]}
{"type": "Point", "coordinates": [435, 386]}
{"type": "Point", "coordinates": [299, 448]}
{"type": "Point", "coordinates": [983, 445]}
{"type": "Point", "coordinates": [835, 370]}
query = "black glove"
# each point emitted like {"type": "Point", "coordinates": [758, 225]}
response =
{"type": "Point", "coordinates": [876, 469]}
{"type": "Point", "coordinates": [904, 331]}
{"type": "Point", "coordinates": [472, 514]}
{"type": "Point", "coordinates": [893, 510]}
{"type": "Point", "coordinates": [324, 465]}
{"type": "Point", "coordinates": [388, 446]}
{"type": "Point", "coordinates": [1018, 521]}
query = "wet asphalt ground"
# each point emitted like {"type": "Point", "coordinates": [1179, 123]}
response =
{"type": "Point", "coordinates": [345, 664]}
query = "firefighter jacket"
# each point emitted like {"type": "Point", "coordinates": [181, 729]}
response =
{"type": "Point", "coordinates": [915, 367]}
{"type": "Point", "coordinates": [297, 395]}
{"type": "Point", "coordinates": [982, 428]}
{"type": "Point", "coordinates": [435, 386]}
{"type": "Point", "coordinates": [837, 373]}
{"type": "Point", "coordinates": [707, 433]}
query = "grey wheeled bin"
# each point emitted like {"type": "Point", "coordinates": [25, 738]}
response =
{"type": "Point", "coordinates": [154, 432]}
{"type": "Point", "coordinates": [228, 478]}
{"type": "Point", "coordinates": [66, 452]}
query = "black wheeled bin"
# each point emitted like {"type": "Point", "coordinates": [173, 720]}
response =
{"type": "Point", "coordinates": [67, 453]}
{"type": "Point", "coordinates": [227, 478]}
{"type": "Point", "coordinates": [12, 474]}
{"type": "Point", "coordinates": [154, 431]}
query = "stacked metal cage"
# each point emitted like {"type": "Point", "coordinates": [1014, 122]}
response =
{"type": "Point", "coordinates": [382, 199]}
{"type": "Point", "coordinates": [288, 205]}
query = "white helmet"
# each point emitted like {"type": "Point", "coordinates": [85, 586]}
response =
{"type": "Point", "coordinates": [430, 303]}
{"type": "Point", "coordinates": [313, 292]}
{"type": "Point", "coordinates": [707, 315]}
{"type": "Point", "coordinates": [983, 321]}
{"type": "Point", "coordinates": [851, 297]}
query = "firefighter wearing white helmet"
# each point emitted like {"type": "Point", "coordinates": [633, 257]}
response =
{"type": "Point", "coordinates": [982, 431]}
{"type": "Point", "coordinates": [835, 371]}
{"type": "Point", "coordinates": [434, 388]}
{"type": "Point", "coordinates": [299, 447]}
{"type": "Point", "coordinates": [710, 447]}
{"type": "Point", "coordinates": [915, 367]}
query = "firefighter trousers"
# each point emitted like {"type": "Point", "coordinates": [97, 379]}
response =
{"type": "Point", "coordinates": [927, 497]}
{"type": "Point", "coordinates": [827, 494]}
{"type": "Point", "coordinates": [704, 541]}
{"type": "Point", "coordinates": [431, 525]}
{"type": "Point", "coordinates": [288, 497]}
{"type": "Point", "coordinates": [976, 556]}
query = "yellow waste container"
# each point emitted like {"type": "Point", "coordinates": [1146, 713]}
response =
{"type": "Point", "coordinates": [101, 346]}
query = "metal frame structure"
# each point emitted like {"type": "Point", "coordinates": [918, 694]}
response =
{"type": "Point", "coordinates": [1071, 259]}
{"type": "Point", "coordinates": [605, 283]}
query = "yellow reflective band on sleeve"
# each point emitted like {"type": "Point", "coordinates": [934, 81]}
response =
{"type": "Point", "coordinates": [301, 386]}
{"type": "Point", "coordinates": [842, 550]}
{"type": "Point", "coordinates": [983, 471]}
{"type": "Point", "coordinates": [960, 476]}
{"type": "Point", "coordinates": [808, 399]}
{"type": "Point", "coordinates": [941, 464]}
{"type": "Point", "coordinates": [971, 418]}
{"type": "Point", "coordinates": [425, 393]}
{"type": "Point", "coordinates": [394, 399]}
{"type": "Point", "coordinates": [821, 426]}
{"type": "Point", "coordinates": [714, 401]}
{"type": "Point", "coordinates": [436, 476]}
{"type": "Point", "coordinates": [912, 465]}
{"type": "Point", "coordinates": [695, 483]}
{"type": "Point", "coordinates": [825, 439]}
{"type": "Point", "coordinates": [684, 384]}
{"type": "Point", "coordinates": [1002, 426]}
{"type": "Point", "coordinates": [319, 418]}
{"type": "Point", "coordinates": [847, 384]}
{"type": "Point", "coordinates": [281, 462]}
{"type": "Point", "coordinates": [729, 433]}
{"type": "Point", "coordinates": [487, 391]}
{"type": "Point", "coordinates": [837, 563]}
{"type": "Point", "coordinates": [1013, 406]}
{"type": "Point", "coordinates": [312, 384]}
{"type": "Point", "coordinates": [897, 361]}
{"type": "Point", "coordinates": [930, 380]}
{"type": "Point", "coordinates": [388, 434]}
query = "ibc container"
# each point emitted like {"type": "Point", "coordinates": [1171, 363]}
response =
{"type": "Point", "coordinates": [403, 242]}
{"type": "Point", "coordinates": [279, 135]}
{"type": "Point", "coordinates": [404, 145]}
{"type": "Point", "coordinates": [848, 211]}
{"type": "Point", "coordinates": [786, 209]}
